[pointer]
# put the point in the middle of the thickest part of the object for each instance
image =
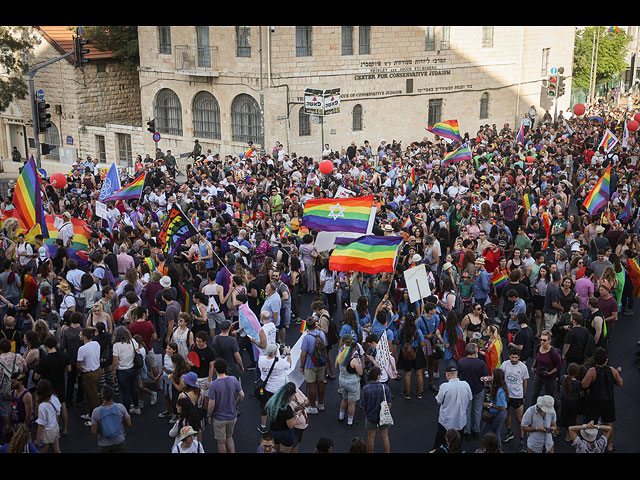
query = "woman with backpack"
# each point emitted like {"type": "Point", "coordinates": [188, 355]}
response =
{"type": "Point", "coordinates": [451, 336]}
{"type": "Point", "coordinates": [411, 357]}
{"type": "Point", "coordinates": [350, 363]}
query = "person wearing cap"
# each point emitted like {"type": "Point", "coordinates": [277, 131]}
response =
{"type": "Point", "coordinates": [453, 397]}
{"type": "Point", "coordinates": [65, 230]}
{"type": "Point", "coordinates": [275, 380]}
{"type": "Point", "coordinates": [188, 442]}
{"type": "Point", "coordinates": [539, 421]}
{"type": "Point", "coordinates": [584, 438]}
{"type": "Point", "coordinates": [482, 284]}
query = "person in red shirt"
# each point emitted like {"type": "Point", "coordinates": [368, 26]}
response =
{"type": "Point", "coordinates": [140, 325]}
{"type": "Point", "coordinates": [492, 255]}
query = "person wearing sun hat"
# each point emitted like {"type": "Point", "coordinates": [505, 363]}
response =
{"type": "Point", "coordinates": [539, 421]}
{"type": "Point", "coordinates": [188, 442]}
{"type": "Point", "coordinates": [588, 441]}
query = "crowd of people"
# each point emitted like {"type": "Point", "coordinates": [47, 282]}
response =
{"type": "Point", "coordinates": [519, 290]}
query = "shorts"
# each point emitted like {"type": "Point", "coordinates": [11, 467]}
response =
{"type": "Point", "coordinates": [286, 438]}
{"type": "Point", "coordinates": [214, 319]}
{"type": "Point", "coordinates": [374, 426]}
{"type": "Point", "coordinates": [166, 386]}
{"type": "Point", "coordinates": [150, 360]}
{"type": "Point", "coordinates": [223, 429]}
{"type": "Point", "coordinates": [550, 320]}
{"type": "Point", "coordinates": [605, 410]}
{"type": "Point", "coordinates": [350, 389]}
{"type": "Point", "coordinates": [516, 403]}
{"type": "Point", "coordinates": [299, 434]}
{"type": "Point", "coordinates": [314, 375]}
{"type": "Point", "coordinates": [50, 436]}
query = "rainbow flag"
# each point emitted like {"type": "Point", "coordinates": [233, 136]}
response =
{"type": "Point", "coordinates": [407, 223]}
{"type": "Point", "coordinates": [368, 254]}
{"type": "Point", "coordinates": [498, 279]}
{"type": "Point", "coordinates": [520, 137]}
{"type": "Point", "coordinates": [176, 229]}
{"type": "Point", "coordinates": [133, 191]}
{"type": "Point", "coordinates": [608, 141]}
{"type": "Point", "coordinates": [79, 245]}
{"type": "Point", "coordinates": [613, 29]}
{"type": "Point", "coordinates": [599, 195]}
{"type": "Point", "coordinates": [249, 153]}
{"type": "Point", "coordinates": [411, 181]}
{"type": "Point", "coordinates": [27, 200]}
{"type": "Point", "coordinates": [285, 232]}
{"type": "Point", "coordinates": [633, 269]}
{"type": "Point", "coordinates": [463, 152]}
{"type": "Point", "coordinates": [448, 129]}
{"type": "Point", "coordinates": [626, 212]}
{"type": "Point", "coordinates": [195, 220]}
{"type": "Point", "coordinates": [527, 202]}
{"type": "Point", "coordinates": [339, 214]}
{"type": "Point", "coordinates": [546, 223]}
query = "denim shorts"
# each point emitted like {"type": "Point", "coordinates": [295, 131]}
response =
{"type": "Point", "coordinates": [286, 438]}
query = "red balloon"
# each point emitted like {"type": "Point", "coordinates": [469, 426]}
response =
{"type": "Point", "coordinates": [633, 125]}
{"type": "Point", "coordinates": [636, 117]}
{"type": "Point", "coordinates": [58, 180]}
{"type": "Point", "coordinates": [326, 167]}
{"type": "Point", "coordinates": [579, 109]}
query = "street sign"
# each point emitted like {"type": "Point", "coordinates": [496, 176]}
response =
{"type": "Point", "coordinates": [40, 94]}
{"type": "Point", "coordinates": [156, 137]}
{"type": "Point", "coordinates": [553, 71]}
{"type": "Point", "coordinates": [313, 101]}
{"type": "Point", "coordinates": [331, 101]}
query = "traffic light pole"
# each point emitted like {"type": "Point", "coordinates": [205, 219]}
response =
{"type": "Point", "coordinates": [32, 95]}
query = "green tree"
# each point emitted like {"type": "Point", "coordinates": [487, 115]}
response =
{"type": "Point", "coordinates": [612, 49]}
{"type": "Point", "coordinates": [15, 45]}
{"type": "Point", "coordinates": [120, 40]}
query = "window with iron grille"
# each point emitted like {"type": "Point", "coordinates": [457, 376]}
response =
{"type": "Point", "coordinates": [303, 41]}
{"type": "Point", "coordinates": [435, 111]}
{"type": "Point", "coordinates": [243, 45]}
{"type": "Point", "coordinates": [164, 39]}
{"type": "Point", "coordinates": [487, 37]}
{"type": "Point", "coordinates": [430, 38]}
{"type": "Point", "coordinates": [206, 116]}
{"type": "Point", "coordinates": [364, 41]}
{"type": "Point", "coordinates": [204, 47]}
{"type": "Point", "coordinates": [484, 106]}
{"type": "Point", "coordinates": [347, 40]}
{"type": "Point", "coordinates": [544, 67]}
{"type": "Point", "coordinates": [445, 38]}
{"type": "Point", "coordinates": [245, 119]}
{"type": "Point", "coordinates": [124, 149]}
{"type": "Point", "coordinates": [168, 113]}
{"type": "Point", "coordinates": [357, 118]}
{"type": "Point", "coordinates": [102, 151]}
{"type": "Point", "coordinates": [304, 123]}
{"type": "Point", "coordinates": [52, 137]}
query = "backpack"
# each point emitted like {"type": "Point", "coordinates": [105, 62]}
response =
{"type": "Point", "coordinates": [5, 383]}
{"type": "Point", "coordinates": [602, 387]}
{"type": "Point", "coordinates": [108, 274]}
{"type": "Point", "coordinates": [11, 340]}
{"type": "Point", "coordinates": [333, 336]}
{"type": "Point", "coordinates": [319, 356]}
{"type": "Point", "coordinates": [110, 422]}
{"type": "Point", "coordinates": [458, 306]}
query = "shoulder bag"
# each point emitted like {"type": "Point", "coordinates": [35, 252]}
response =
{"type": "Point", "coordinates": [260, 386]}
{"type": "Point", "coordinates": [385, 411]}
{"type": "Point", "coordinates": [138, 359]}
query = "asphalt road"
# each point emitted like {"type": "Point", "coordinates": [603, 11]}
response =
{"type": "Point", "coordinates": [415, 420]}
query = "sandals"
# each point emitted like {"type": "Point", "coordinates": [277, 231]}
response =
{"type": "Point", "coordinates": [434, 387]}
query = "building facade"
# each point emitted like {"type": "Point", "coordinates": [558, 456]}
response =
{"type": "Point", "coordinates": [210, 83]}
{"type": "Point", "coordinates": [95, 110]}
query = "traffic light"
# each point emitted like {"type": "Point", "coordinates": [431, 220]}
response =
{"type": "Point", "coordinates": [79, 43]}
{"type": "Point", "coordinates": [151, 126]}
{"type": "Point", "coordinates": [552, 86]}
{"type": "Point", "coordinates": [561, 86]}
{"type": "Point", "coordinates": [46, 148]}
{"type": "Point", "coordinates": [44, 121]}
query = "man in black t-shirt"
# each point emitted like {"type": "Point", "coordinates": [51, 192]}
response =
{"type": "Point", "coordinates": [206, 357]}
{"type": "Point", "coordinates": [52, 367]}
{"type": "Point", "coordinates": [575, 341]}
{"type": "Point", "coordinates": [226, 347]}
{"type": "Point", "coordinates": [523, 339]}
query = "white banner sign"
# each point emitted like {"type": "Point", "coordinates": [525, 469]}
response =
{"type": "Point", "coordinates": [417, 283]}
{"type": "Point", "coordinates": [101, 210]}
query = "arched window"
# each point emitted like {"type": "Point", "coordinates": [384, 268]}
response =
{"type": "Point", "coordinates": [304, 123]}
{"type": "Point", "coordinates": [484, 105]}
{"type": "Point", "coordinates": [168, 112]}
{"type": "Point", "coordinates": [245, 119]}
{"type": "Point", "coordinates": [206, 116]}
{"type": "Point", "coordinates": [51, 137]}
{"type": "Point", "coordinates": [357, 117]}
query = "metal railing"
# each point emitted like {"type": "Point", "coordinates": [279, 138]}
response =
{"type": "Point", "coordinates": [199, 59]}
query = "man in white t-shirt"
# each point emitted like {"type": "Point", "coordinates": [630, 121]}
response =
{"type": "Point", "coordinates": [89, 366]}
{"type": "Point", "coordinates": [516, 375]}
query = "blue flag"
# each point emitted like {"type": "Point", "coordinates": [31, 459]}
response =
{"type": "Point", "coordinates": [111, 183]}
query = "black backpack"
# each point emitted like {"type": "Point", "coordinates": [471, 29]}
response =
{"type": "Point", "coordinates": [333, 336]}
{"type": "Point", "coordinates": [319, 357]}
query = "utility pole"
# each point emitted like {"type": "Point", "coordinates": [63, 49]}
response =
{"type": "Point", "coordinates": [261, 94]}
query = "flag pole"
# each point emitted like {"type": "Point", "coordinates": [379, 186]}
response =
{"type": "Point", "coordinates": [395, 261]}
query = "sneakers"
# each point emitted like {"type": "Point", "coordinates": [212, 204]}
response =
{"type": "Point", "coordinates": [164, 414]}
{"type": "Point", "coordinates": [173, 419]}
{"type": "Point", "coordinates": [140, 403]}
{"type": "Point", "coordinates": [86, 416]}
{"type": "Point", "coordinates": [136, 411]}
{"type": "Point", "coordinates": [262, 429]}
{"type": "Point", "coordinates": [508, 437]}
{"type": "Point", "coordinates": [312, 411]}
{"type": "Point", "coordinates": [154, 398]}
{"type": "Point", "coordinates": [353, 424]}
{"type": "Point", "coordinates": [321, 407]}
{"type": "Point", "coordinates": [419, 395]}
{"type": "Point", "coordinates": [436, 375]}
{"type": "Point", "coordinates": [406, 395]}
{"type": "Point", "coordinates": [87, 423]}
{"type": "Point", "coordinates": [522, 448]}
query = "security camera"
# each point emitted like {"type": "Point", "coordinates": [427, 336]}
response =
{"type": "Point", "coordinates": [273, 29]}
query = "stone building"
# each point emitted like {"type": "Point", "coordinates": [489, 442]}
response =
{"type": "Point", "coordinates": [209, 82]}
{"type": "Point", "coordinates": [95, 110]}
